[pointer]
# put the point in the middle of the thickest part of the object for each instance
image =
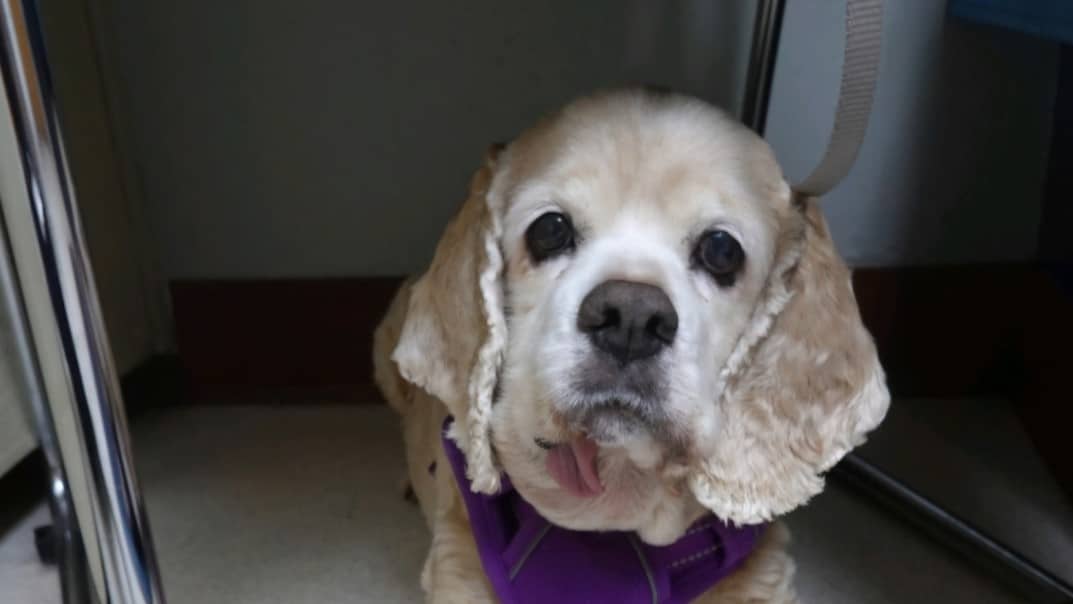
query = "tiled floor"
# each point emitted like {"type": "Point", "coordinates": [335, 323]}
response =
{"type": "Point", "coordinates": [267, 505]}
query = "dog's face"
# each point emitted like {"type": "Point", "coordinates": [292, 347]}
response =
{"type": "Point", "coordinates": [636, 245]}
{"type": "Point", "coordinates": [637, 251]}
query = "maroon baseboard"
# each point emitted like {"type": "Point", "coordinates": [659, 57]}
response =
{"type": "Point", "coordinates": [293, 338]}
{"type": "Point", "coordinates": [949, 330]}
{"type": "Point", "coordinates": [944, 331]}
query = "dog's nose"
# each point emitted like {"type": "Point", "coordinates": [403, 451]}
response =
{"type": "Point", "coordinates": [629, 320]}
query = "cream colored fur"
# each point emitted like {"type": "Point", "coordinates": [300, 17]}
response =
{"type": "Point", "coordinates": [771, 380]}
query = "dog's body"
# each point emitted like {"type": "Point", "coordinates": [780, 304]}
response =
{"type": "Point", "coordinates": [633, 319]}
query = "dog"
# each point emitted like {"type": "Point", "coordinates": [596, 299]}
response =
{"type": "Point", "coordinates": [634, 320]}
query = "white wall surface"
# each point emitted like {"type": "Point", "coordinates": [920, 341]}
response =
{"type": "Point", "coordinates": [283, 139]}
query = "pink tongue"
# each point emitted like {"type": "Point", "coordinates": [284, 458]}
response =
{"type": "Point", "coordinates": [573, 466]}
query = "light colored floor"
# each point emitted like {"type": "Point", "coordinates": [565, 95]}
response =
{"type": "Point", "coordinates": [297, 504]}
{"type": "Point", "coordinates": [24, 580]}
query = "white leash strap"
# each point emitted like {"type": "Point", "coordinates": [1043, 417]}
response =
{"type": "Point", "coordinates": [860, 69]}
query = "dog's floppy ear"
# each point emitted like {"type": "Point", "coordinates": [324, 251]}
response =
{"type": "Point", "coordinates": [451, 342]}
{"type": "Point", "coordinates": [802, 389]}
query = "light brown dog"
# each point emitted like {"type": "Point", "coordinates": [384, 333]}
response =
{"type": "Point", "coordinates": [632, 317]}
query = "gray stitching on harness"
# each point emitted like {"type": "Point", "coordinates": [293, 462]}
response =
{"type": "Point", "coordinates": [647, 569]}
{"type": "Point", "coordinates": [514, 570]}
{"type": "Point", "coordinates": [696, 556]}
{"type": "Point", "coordinates": [697, 529]}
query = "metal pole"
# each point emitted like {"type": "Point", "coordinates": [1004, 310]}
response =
{"type": "Point", "coordinates": [70, 552]}
{"type": "Point", "coordinates": [82, 409]}
{"type": "Point", "coordinates": [766, 30]}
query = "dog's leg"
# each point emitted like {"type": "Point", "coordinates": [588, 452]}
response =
{"type": "Point", "coordinates": [767, 575]}
{"type": "Point", "coordinates": [453, 572]}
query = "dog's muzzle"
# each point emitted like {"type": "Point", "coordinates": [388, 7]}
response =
{"type": "Point", "coordinates": [622, 382]}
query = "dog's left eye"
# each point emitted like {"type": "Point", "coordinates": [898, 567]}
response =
{"type": "Point", "coordinates": [549, 235]}
{"type": "Point", "coordinates": [721, 255]}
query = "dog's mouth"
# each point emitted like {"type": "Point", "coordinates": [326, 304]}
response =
{"type": "Point", "coordinates": [609, 422]}
{"type": "Point", "coordinates": [573, 465]}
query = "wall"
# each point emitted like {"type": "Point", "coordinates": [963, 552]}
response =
{"type": "Point", "coordinates": [952, 168]}
{"type": "Point", "coordinates": [281, 139]}
{"type": "Point", "coordinates": [335, 137]}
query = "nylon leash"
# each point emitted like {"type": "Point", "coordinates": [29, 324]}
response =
{"type": "Point", "coordinates": [860, 71]}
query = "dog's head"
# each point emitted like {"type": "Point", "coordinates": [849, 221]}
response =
{"type": "Point", "coordinates": [634, 319]}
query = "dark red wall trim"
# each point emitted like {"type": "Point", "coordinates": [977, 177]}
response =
{"type": "Point", "coordinates": [940, 331]}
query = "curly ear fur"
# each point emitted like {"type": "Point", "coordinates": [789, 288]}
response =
{"type": "Point", "coordinates": [452, 338]}
{"type": "Point", "coordinates": [802, 388]}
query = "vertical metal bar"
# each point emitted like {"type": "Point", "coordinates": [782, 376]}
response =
{"type": "Point", "coordinates": [95, 446]}
{"type": "Point", "coordinates": [766, 30]}
{"type": "Point", "coordinates": [71, 555]}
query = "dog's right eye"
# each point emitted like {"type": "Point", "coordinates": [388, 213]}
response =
{"type": "Point", "coordinates": [549, 235]}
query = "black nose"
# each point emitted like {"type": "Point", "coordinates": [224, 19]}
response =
{"type": "Point", "coordinates": [628, 320]}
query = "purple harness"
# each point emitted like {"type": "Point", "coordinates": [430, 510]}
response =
{"type": "Point", "coordinates": [529, 560]}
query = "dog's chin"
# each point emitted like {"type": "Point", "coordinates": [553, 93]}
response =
{"type": "Point", "coordinates": [614, 424]}
{"type": "Point", "coordinates": [605, 445]}
{"type": "Point", "coordinates": [602, 473]}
